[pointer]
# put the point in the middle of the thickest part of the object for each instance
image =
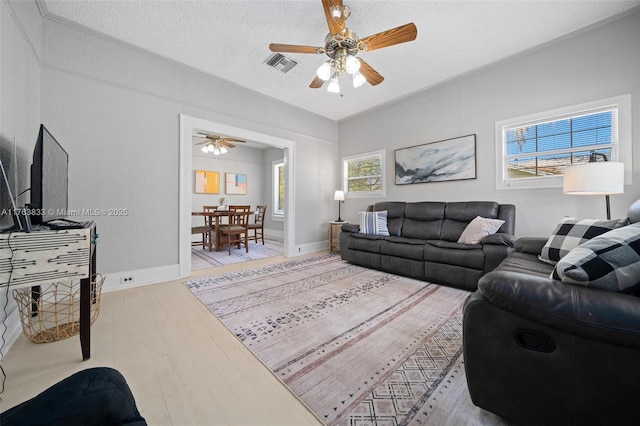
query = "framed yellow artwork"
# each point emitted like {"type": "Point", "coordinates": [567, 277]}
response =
{"type": "Point", "coordinates": [207, 182]}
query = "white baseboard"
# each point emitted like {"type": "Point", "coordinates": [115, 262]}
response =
{"type": "Point", "coordinates": [318, 246]}
{"type": "Point", "coordinates": [274, 233]}
{"type": "Point", "coordinates": [302, 249]}
{"type": "Point", "coordinates": [116, 281]}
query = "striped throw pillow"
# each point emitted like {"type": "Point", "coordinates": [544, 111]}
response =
{"type": "Point", "coordinates": [570, 233]}
{"type": "Point", "coordinates": [374, 223]}
{"type": "Point", "coordinates": [610, 261]}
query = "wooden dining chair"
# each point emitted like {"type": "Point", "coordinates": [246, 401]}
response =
{"type": "Point", "coordinates": [237, 229]}
{"type": "Point", "coordinates": [209, 220]}
{"type": "Point", "coordinates": [206, 230]}
{"type": "Point", "coordinates": [258, 226]}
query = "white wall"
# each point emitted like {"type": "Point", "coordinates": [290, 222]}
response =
{"type": "Point", "coordinates": [19, 118]}
{"type": "Point", "coordinates": [596, 64]}
{"type": "Point", "coordinates": [19, 93]}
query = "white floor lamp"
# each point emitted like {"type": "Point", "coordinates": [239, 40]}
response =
{"type": "Point", "coordinates": [595, 178]}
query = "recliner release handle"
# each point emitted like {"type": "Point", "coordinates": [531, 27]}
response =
{"type": "Point", "coordinates": [534, 340]}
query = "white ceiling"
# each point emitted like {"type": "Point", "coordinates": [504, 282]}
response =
{"type": "Point", "coordinates": [230, 38]}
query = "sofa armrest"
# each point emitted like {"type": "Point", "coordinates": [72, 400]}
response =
{"type": "Point", "coordinates": [350, 227]}
{"type": "Point", "coordinates": [500, 239]}
{"type": "Point", "coordinates": [531, 245]}
{"type": "Point", "coordinates": [586, 312]}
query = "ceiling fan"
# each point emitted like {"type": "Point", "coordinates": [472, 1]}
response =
{"type": "Point", "coordinates": [342, 45]}
{"type": "Point", "coordinates": [217, 144]}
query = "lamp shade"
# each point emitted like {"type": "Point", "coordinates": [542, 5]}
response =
{"type": "Point", "coordinates": [358, 79]}
{"type": "Point", "coordinates": [338, 196]}
{"type": "Point", "coordinates": [334, 85]}
{"type": "Point", "coordinates": [352, 64]}
{"type": "Point", "coordinates": [594, 178]}
{"type": "Point", "coordinates": [324, 71]}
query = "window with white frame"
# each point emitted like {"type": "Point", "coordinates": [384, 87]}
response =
{"type": "Point", "coordinates": [364, 175]}
{"type": "Point", "coordinates": [533, 151]}
{"type": "Point", "coordinates": [278, 188]}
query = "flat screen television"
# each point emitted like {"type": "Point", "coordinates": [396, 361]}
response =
{"type": "Point", "coordinates": [49, 179]}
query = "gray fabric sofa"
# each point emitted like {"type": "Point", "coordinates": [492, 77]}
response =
{"type": "Point", "coordinates": [540, 351]}
{"type": "Point", "coordinates": [422, 241]}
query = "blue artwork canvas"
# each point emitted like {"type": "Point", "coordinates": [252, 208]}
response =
{"type": "Point", "coordinates": [451, 159]}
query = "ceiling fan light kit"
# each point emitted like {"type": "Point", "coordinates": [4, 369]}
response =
{"type": "Point", "coordinates": [216, 144]}
{"type": "Point", "coordinates": [342, 45]}
{"type": "Point", "coordinates": [214, 148]}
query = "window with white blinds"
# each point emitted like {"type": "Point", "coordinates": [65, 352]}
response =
{"type": "Point", "coordinates": [535, 150]}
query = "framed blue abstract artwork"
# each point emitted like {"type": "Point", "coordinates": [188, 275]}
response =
{"type": "Point", "coordinates": [235, 183]}
{"type": "Point", "coordinates": [450, 159]}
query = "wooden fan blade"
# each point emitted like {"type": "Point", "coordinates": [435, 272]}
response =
{"type": "Point", "coordinates": [372, 76]}
{"type": "Point", "coordinates": [227, 144]}
{"type": "Point", "coordinates": [233, 140]}
{"type": "Point", "coordinates": [292, 48]}
{"type": "Point", "coordinates": [397, 35]}
{"type": "Point", "coordinates": [335, 25]}
{"type": "Point", "coordinates": [209, 137]}
{"type": "Point", "coordinates": [316, 83]}
{"type": "Point", "coordinates": [204, 142]}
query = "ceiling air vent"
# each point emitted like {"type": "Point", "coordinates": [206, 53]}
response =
{"type": "Point", "coordinates": [280, 62]}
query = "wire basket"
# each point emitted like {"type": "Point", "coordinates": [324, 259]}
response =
{"type": "Point", "coordinates": [52, 313]}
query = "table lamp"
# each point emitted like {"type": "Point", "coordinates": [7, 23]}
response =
{"type": "Point", "coordinates": [339, 197]}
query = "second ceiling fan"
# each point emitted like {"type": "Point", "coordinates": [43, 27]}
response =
{"type": "Point", "coordinates": [342, 45]}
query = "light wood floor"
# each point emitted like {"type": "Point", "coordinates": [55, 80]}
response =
{"type": "Point", "coordinates": [183, 366]}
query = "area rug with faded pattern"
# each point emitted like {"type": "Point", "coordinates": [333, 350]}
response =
{"type": "Point", "coordinates": [202, 258]}
{"type": "Point", "coordinates": [357, 346]}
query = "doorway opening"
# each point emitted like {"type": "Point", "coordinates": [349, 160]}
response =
{"type": "Point", "coordinates": [189, 125]}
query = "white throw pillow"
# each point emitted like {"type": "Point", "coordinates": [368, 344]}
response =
{"type": "Point", "coordinates": [479, 228]}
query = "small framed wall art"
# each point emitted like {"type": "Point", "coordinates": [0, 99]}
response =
{"type": "Point", "coordinates": [236, 183]}
{"type": "Point", "coordinates": [450, 159]}
{"type": "Point", "coordinates": [207, 182]}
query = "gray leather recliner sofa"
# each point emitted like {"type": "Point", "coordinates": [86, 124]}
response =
{"type": "Point", "coordinates": [422, 241]}
{"type": "Point", "coordinates": [539, 351]}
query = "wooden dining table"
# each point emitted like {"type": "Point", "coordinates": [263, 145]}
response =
{"type": "Point", "coordinates": [216, 215]}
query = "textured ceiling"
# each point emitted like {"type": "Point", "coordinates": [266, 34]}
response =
{"type": "Point", "coordinates": [229, 39]}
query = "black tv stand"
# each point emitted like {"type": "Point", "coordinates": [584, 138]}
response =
{"type": "Point", "coordinates": [63, 223]}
